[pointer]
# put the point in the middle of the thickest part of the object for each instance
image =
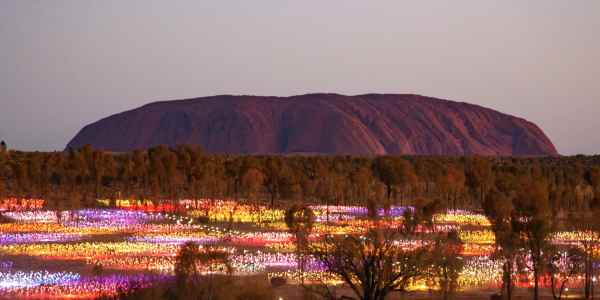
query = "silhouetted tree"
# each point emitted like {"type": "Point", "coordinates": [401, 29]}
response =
{"type": "Point", "coordinates": [447, 263]}
{"type": "Point", "coordinates": [500, 211]}
{"type": "Point", "coordinates": [299, 220]}
{"type": "Point", "coordinates": [479, 176]}
{"type": "Point", "coordinates": [190, 281]}
{"type": "Point", "coordinates": [563, 266]}
{"type": "Point", "coordinates": [394, 172]}
{"type": "Point", "coordinates": [534, 223]}
{"type": "Point", "coordinates": [372, 265]}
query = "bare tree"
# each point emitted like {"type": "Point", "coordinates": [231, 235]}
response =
{"type": "Point", "coordinates": [299, 220]}
{"type": "Point", "coordinates": [563, 265]}
{"type": "Point", "coordinates": [373, 266]}
{"type": "Point", "coordinates": [190, 281]}
{"type": "Point", "coordinates": [447, 263]}
{"type": "Point", "coordinates": [251, 184]}
{"type": "Point", "coordinates": [499, 210]}
{"type": "Point", "coordinates": [534, 223]}
{"type": "Point", "coordinates": [589, 225]}
{"type": "Point", "coordinates": [376, 264]}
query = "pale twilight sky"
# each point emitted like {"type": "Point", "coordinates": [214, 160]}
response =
{"type": "Point", "coordinates": [64, 64]}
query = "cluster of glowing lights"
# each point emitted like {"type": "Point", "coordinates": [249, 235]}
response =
{"type": "Point", "coordinates": [32, 279]}
{"type": "Point", "coordinates": [84, 288]}
{"type": "Point", "coordinates": [29, 238]}
{"type": "Point", "coordinates": [462, 217]}
{"type": "Point", "coordinates": [112, 218]}
{"type": "Point", "coordinates": [261, 238]}
{"type": "Point", "coordinates": [247, 262]}
{"type": "Point", "coordinates": [310, 277]}
{"type": "Point", "coordinates": [88, 250]}
{"type": "Point", "coordinates": [480, 237]}
{"type": "Point", "coordinates": [575, 237]}
{"type": "Point", "coordinates": [142, 205]}
{"type": "Point", "coordinates": [84, 217]}
{"type": "Point", "coordinates": [350, 212]}
{"type": "Point", "coordinates": [178, 239]}
{"type": "Point", "coordinates": [471, 250]}
{"type": "Point", "coordinates": [231, 211]}
{"type": "Point", "coordinates": [57, 237]}
{"type": "Point", "coordinates": [20, 204]}
{"type": "Point", "coordinates": [85, 229]}
{"type": "Point", "coordinates": [254, 262]}
{"type": "Point", "coordinates": [36, 216]}
{"type": "Point", "coordinates": [287, 247]}
{"type": "Point", "coordinates": [480, 272]}
{"type": "Point", "coordinates": [141, 241]}
{"type": "Point", "coordinates": [161, 264]}
{"type": "Point", "coordinates": [6, 265]}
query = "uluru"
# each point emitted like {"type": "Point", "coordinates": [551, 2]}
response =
{"type": "Point", "coordinates": [370, 124]}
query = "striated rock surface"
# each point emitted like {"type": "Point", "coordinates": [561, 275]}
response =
{"type": "Point", "coordinates": [320, 123]}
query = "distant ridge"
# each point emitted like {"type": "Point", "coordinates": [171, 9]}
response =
{"type": "Point", "coordinates": [320, 123]}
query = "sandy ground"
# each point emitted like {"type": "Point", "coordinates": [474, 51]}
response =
{"type": "Point", "coordinates": [293, 292]}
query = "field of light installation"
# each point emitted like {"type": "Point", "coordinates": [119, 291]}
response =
{"type": "Point", "coordinates": [92, 252]}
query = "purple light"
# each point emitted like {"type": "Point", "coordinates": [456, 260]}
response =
{"type": "Point", "coordinates": [30, 238]}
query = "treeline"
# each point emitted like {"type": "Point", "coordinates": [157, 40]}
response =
{"type": "Point", "coordinates": [78, 177]}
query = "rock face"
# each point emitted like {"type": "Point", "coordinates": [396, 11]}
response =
{"type": "Point", "coordinates": [320, 123]}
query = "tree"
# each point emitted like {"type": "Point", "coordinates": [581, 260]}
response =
{"type": "Point", "coordinates": [299, 220]}
{"type": "Point", "coordinates": [588, 226]}
{"type": "Point", "coordinates": [2, 188]}
{"type": "Point", "coordinates": [140, 172]}
{"type": "Point", "coordinates": [187, 155]}
{"type": "Point", "coordinates": [534, 223]}
{"type": "Point", "coordinates": [251, 184]}
{"type": "Point", "coordinates": [447, 263]}
{"type": "Point", "coordinates": [328, 187]}
{"type": "Point", "coordinates": [593, 178]}
{"type": "Point", "coordinates": [234, 172]}
{"type": "Point", "coordinates": [393, 172]}
{"type": "Point", "coordinates": [451, 183]}
{"type": "Point", "coordinates": [189, 279]}
{"type": "Point", "coordinates": [252, 181]}
{"type": "Point", "coordinates": [362, 183]}
{"type": "Point", "coordinates": [157, 172]}
{"type": "Point", "coordinates": [97, 269]}
{"type": "Point", "coordinates": [499, 210]}
{"type": "Point", "coordinates": [20, 171]}
{"type": "Point", "coordinates": [479, 176]}
{"type": "Point", "coordinates": [372, 265]}
{"type": "Point", "coordinates": [420, 215]}
{"type": "Point", "coordinates": [186, 269]}
{"type": "Point", "coordinates": [272, 171]}
{"type": "Point", "coordinates": [3, 146]}
{"type": "Point", "coordinates": [563, 265]}
{"type": "Point", "coordinates": [3, 163]}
